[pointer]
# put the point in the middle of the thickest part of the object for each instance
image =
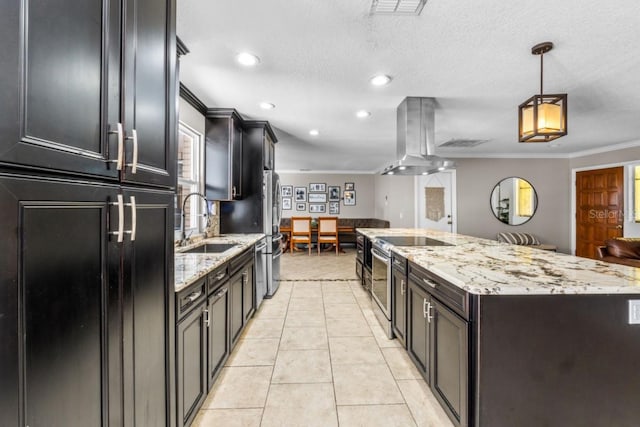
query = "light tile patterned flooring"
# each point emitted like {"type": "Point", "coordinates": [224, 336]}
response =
{"type": "Point", "coordinates": [314, 355]}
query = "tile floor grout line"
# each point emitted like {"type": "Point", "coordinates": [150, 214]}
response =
{"type": "Point", "coordinates": [275, 361]}
{"type": "Point", "coordinates": [333, 383]}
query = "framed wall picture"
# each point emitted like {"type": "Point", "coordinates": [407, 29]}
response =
{"type": "Point", "coordinates": [317, 188]}
{"type": "Point", "coordinates": [317, 208]}
{"type": "Point", "coordinates": [287, 190]}
{"type": "Point", "coordinates": [286, 203]}
{"type": "Point", "coordinates": [317, 197]}
{"type": "Point", "coordinates": [334, 208]}
{"type": "Point", "coordinates": [349, 198]}
{"type": "Point", "coordinates": [301, 206]}
{"type": "Point", "coordinates": [349, 186]}
{"type": "Point", "coordinates": [301, 194]}
{"type": "Point", "coordinates": [334, 193]}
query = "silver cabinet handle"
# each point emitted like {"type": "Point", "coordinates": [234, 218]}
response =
{"type": "Point", "coordinates": [120, 204]}
{"type": "Point", "coordinates": [194, 296]}
{"type": "Point", "coordinates": [207, 319]}
{"type": "Point", "coordinates": [220, 293]}
{"type": "Point", "coordinates": [402, 287]}
{"type": "Point", "coordinates": [429, 282]}
{"type": "Point", "coordinates": [233, 191]}
{"type": "Point", "coordinates": [120, 133]}
{"type": "Point", "coordinates": [134, 218]}
{"type": "Point", "coordinates": [220, 276]}
{"type": "Point", "coordinates": [424, 307]}
{"type": "Point", "coordinates": [134, 161]}
{"type": "Point", "coordinates": [429, 315]}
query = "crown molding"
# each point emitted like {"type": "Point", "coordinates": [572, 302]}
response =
{"type": "Point", "coordinates": [192, 99]}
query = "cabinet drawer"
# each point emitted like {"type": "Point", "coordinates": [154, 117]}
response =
{"type": "Point", "coordinates": [217, 277]}
{"type": "Point", "coordinates": [451, 295]}
{"type": "Point", "coordinates": [399, 263]}
{"type": "Point", "coordinates": [238, 262]}
{"type": "Point", "coordinates": [190, 297]}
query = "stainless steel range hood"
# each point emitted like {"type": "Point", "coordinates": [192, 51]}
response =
{"type": "Point", "coordinates": [415, 149]}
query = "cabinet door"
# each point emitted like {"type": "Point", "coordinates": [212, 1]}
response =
{"type": "Point", "coordinates": [236, 160]}
{"type": "Point", "coordinates": [218, 315]}
{"type": "Point", "coordinates": [148, 306]}
{"type": "Point", "coordinates": [60, 85]}
{"type": "Point", "coordinates": [149, 86]}
{"type": "Point", "coordinates": [191, 350]}
{"type": "Point", "coordinates": [59, 304]}
{"type": "Point", "coordinates": [418, 328]}
{"type": "Point", "coordinates": [236, 284]}
{"type": "Point", "coordinates": [248, 291]}
{"type": "Point", "coordinates": [399, 301]}
{"type": "Point", "coordinates": [450, 361]}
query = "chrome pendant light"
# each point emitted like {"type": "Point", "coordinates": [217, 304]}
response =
{"type": "Point", "coordinates": [543, 117]}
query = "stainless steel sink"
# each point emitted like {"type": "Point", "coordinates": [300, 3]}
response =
{"type": "Point", "coordinates": [210, 248]}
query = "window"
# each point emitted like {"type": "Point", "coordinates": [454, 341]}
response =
{"type": "Point", "coordinates": [190, 180]}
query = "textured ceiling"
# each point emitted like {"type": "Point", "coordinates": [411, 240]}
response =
{"type": "Point", "coordinates": [473, 56]}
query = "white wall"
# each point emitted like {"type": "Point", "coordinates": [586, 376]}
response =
{"type": "Point", "coordinates": [364, 188]}
{"type": "Point", "coordinates": [395, 200]}
{"type": "Point", "coordinates": [190, 116]}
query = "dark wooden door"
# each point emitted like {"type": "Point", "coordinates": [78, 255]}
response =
{"type": "Point", "coordinates": [149, 87]}
{"type": "Point", "coordinates": [248, 291]}
{"type": "Point", "coordinates": [218, 345]}
{"type": "Point", "coordinates": [599, 208]}
{"type": "Point", "coordinates": [60, 85]}
{"type": "Point", "coordinates": [59, 304]}
{"type": "Point", "coordinates": [450, 361]}
{"type": "Point", "coordinates": [418, 327]}
{"type": "Point", "coordinates": [191, 351]}
{"type": "Point", "coordinates": [148, 305]}
{"type": "Point", "coordinates": [236, 283]}
{"type": "Point", "coordinates": [399, 301]}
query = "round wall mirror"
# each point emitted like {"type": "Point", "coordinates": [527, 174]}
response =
{"type": "Point", "coordinates": [514, 201]}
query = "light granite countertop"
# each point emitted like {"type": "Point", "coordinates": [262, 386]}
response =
{"type": "Point", "coordinates": [487, 267]}
{"type": "Point", "coordinates": [190, 267]}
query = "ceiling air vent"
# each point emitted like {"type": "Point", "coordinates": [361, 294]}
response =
{"type": "Point", "coordinates": [397, 7]}
{"type": "Point", "coordinates": [463, 143]}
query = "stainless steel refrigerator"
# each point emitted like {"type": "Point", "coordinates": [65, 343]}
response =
{"type": "Point", "coordinates": [258, 212]}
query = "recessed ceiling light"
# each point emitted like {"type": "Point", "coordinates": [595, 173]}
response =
{"type": "Point", "coordinates": [402, 168]}
{"type": "Point", "coordinates": [314, 132]}
{"type": "Point", "coordinates": [267, 106]}
{"type": "Point", "coordinates": [441, 168]}
{"type": "Point", "coordinates": [363, 114]}
{"type": "Point", "coordinates": [380, 80]}
{"type": "Point", "coordinates": [425, 173]}
{"type": "Point", "coordinates": [248, 59]}
{"type": "Point", "coordinates": [390, 173]}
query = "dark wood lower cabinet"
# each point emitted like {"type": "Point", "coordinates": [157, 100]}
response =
{"type": "Point", "coordinates": [236, 285]}
{"type": "Point", "coordinates": [248, 291]}
{"type": "Point", "coordinates": [218, 326]}
{"type": "Point", "coordinates": [438, 344]}
{"type": "Point", "coordinates": [191, 364]}
{"type": "Point", "coordinates": [418, 328]}
{"type": "Point", "coordinates": [399, 298]}
{"type": "Point", "coordinates": [450, 360]}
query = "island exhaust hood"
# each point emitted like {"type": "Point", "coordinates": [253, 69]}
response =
{"type": "Point", "coordinates": [415, 149]}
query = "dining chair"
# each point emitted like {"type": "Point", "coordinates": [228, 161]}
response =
{"type": "Point", "coordinates": [301, 231]}
{"type": "Point", "coordinates": [328, 232]}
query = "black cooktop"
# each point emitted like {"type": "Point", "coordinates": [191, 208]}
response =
{"type": "Point", "coordinates": [412, 241]}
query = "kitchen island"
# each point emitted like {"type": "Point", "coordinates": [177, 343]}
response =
{"type": "Point", "coordinates": [513, 336]}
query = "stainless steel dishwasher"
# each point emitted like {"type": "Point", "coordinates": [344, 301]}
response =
{"type": "Point", "coordinates": [261, 271]}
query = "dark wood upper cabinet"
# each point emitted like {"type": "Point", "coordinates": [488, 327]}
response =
{"type": "Point", "coordinates": [66, 93]}
{"type": "Point", "coordinates": [223, 154]}
{"type": "Point", "coordinates": [260, 137]}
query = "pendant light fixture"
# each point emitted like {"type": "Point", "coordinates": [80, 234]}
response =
{"type": "Point", "coordinates": [543, 117]}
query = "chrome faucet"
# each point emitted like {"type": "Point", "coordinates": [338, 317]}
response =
{"type": "Point", "coordinates": [206, 214]}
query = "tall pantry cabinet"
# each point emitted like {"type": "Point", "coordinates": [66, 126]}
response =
{"type": "Point", "coordinates": [87, 171]}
